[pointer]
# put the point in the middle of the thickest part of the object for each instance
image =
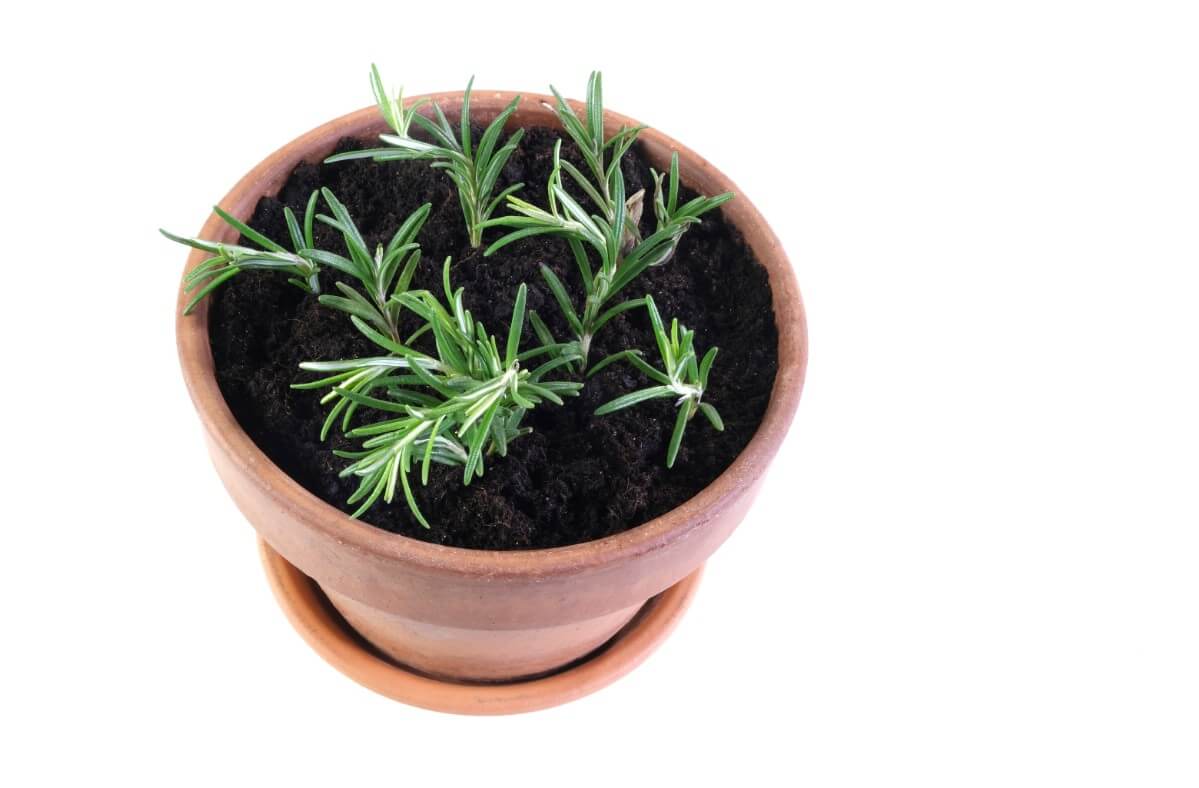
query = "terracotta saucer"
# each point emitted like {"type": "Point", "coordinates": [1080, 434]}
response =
{"type": "Point", "coordinates": [320, 625]}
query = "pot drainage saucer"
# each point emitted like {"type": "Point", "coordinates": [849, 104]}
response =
{"type": "Point", "coordinates": [320, 625]}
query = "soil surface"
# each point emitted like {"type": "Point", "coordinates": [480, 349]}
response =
{"type": "Point", "coordinates": [578, 476]}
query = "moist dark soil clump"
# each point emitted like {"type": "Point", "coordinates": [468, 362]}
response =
{"type": "Point", "coordinates": [577, 477]}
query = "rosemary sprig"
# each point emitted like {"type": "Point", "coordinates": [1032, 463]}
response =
{"type": "Point", "coordinates": [229, 260]}
{"type": "Point", "coordinates": [386, 273]}
{"type": "Point", "coordinates": [611, 234]}
{"type": "Point", "coordinates": [587, 133]}
{"type": "Point", "coordinates": [682, 376]}
{"type": "Point", "coordinates": [453, 409]}
{"type": "Point", "coordinates": [674, 220]}
{"type": "Point", "coordinates": [474, 169]}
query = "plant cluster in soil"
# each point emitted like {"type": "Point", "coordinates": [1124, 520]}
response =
{"type": "Point", "coordinates": [577, 476]}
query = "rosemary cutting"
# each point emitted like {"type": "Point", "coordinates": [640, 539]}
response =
{"type": "Point", "coordinates": [612, 233]}
{"type": "Point", "coordinates": [453, 408]}
{"type": "Point", "coordinates": [681, 376]}
{"type": "Point", "coordinates": [474, 170]}
{"type": "Point", "coordinates": [228, 260]}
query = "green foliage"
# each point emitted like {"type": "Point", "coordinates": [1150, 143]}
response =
{"type": "Point", "coordinates": [474, 169]}
{"type": "Point", "coordinates": [386, 273]}
{"type": "Point", "coordinates": [229, 260]}
{"type": "Point", "coordinates": [681, 376]}
{"type": "Point", "coordinates": [389, 270]}
{"type": "Point", "coordinates": [454, 408]}
{"type": "Point", "coordinates": [587, 133]}
{"type": "Point", "coordinates": [611, 234]}
{"type": "Point", "coordinates": [448, 392]}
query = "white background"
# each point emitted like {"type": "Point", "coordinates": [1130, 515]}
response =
{"type": "Point", "coordinates": [975, 561]}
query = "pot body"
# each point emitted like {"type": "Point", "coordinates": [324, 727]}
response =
{"type": "Point", "coordinates": [477, 614]}
{"type": "Point", "coordinates": [478, 654]}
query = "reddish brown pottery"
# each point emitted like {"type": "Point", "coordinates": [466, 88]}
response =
{"type": "Point", "coordinates": [481, 615]}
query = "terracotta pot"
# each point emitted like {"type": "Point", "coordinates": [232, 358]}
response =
{"type": "Point", "coordinates": [478, 614]}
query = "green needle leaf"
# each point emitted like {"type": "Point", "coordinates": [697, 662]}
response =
{"type": "Point", "coordinates": [676, 437]}
{"type": "Point", "coordinates": [247, 231]}
{"type": "Point", "coordinates": [563, 299]}
{"type": "Point", "coordinates": [633, 398]}
{"type": "Point", "coordinates": [713, 416]}
{"type": "Point", "coordinates": [516, 327]}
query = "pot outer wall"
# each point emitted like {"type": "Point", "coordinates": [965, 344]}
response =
{"type": "Point", "coordinates": [481, 614]}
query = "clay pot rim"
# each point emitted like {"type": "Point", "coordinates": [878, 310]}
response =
{"type": "Point", "coordinates": [221, 427]}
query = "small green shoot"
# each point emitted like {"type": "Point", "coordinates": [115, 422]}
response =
{"type": "Point", "coordinates": [682, 376]}
{"type": "Point", "coordinates": [229, 260]}
{"type": "Point", "coordinates": [474, 169]}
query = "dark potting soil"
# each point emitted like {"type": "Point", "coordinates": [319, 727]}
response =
{"type": "Point", "coordinates": [578, 476]}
